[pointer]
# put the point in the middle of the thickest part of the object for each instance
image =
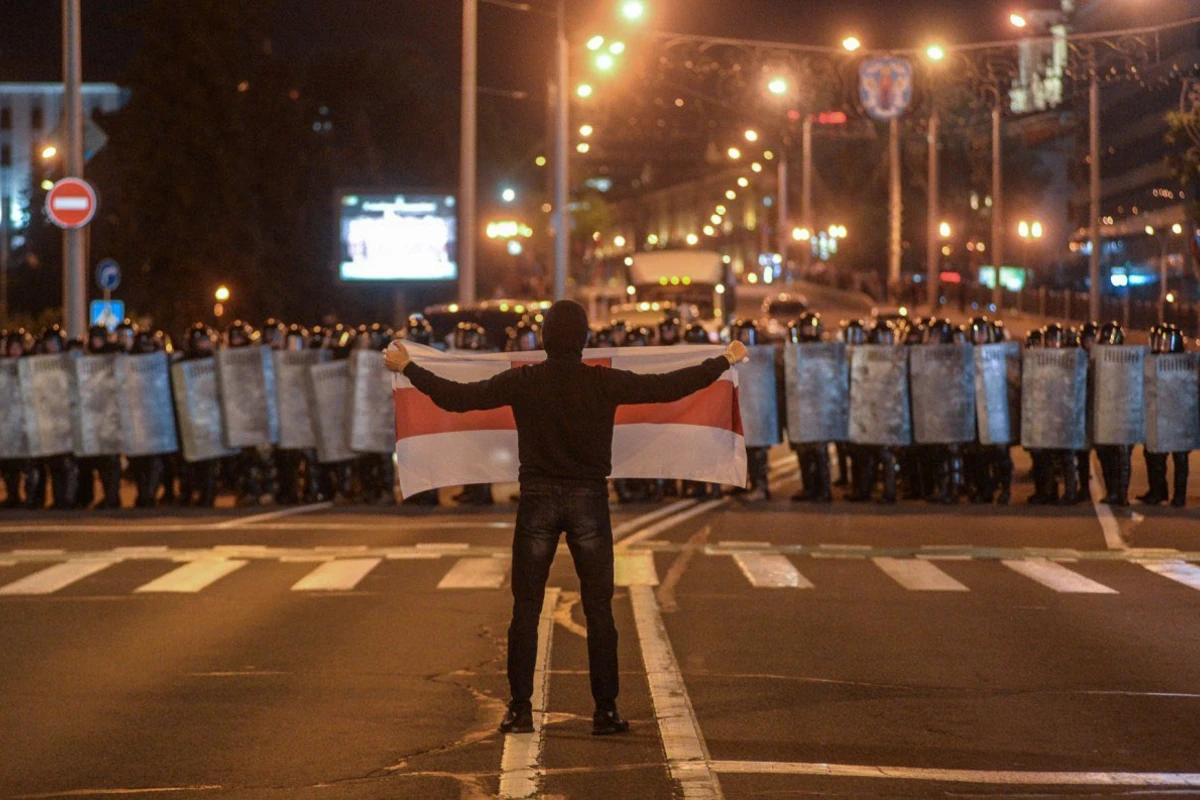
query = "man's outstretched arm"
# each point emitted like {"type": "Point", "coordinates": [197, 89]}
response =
{"type": "Point", "coordinates": [449, 395]}
{"type": "Point", "coordinates": [629, 388]}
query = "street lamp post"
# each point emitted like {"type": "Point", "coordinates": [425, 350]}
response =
{"type": "Point", "coordinates": [932, 255]}
{"type": "Point", "coordinates": [562, 214]}
{"type": "Point", "coordinates": [806, 189]}
{"type": "Point", "coordinates": [1094, 197]}
{"type": "Point", "coordinates": [74, 267]}
{"type": "Point", "coordinates": [468, 166]}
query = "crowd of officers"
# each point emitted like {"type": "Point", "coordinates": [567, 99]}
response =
{"type": "Point", "coordinates": [976, 472]}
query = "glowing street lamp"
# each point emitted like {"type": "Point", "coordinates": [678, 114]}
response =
{"type": "Point", "coordinates": [633, 10]}
{"type": "Point", "coordinates": [508, 194]}
{"type": "Point", "coordinates": [584, 90]}
{"type": "Point", "coordinates": [49, 152]}
{"type": "Point", "coordinates": [935, 52]}
{"type": "Point", "coordinates": [851, 43]}
{"type": "Point", "coordinates": [605, 62]}
{"type": "Point", "coordinates": [743, 182]}
{"type": "Point", "coordinates": [734, 153]}
{"type": "Point", "coordinates": [751, 136]}
{"type": "Point", "coordinates": [222, 294]}
{"type": "Point", "coordinates": [586, 130]}
{"type": "Point", "coordinates": [616, 48]}
{"type": "Point", "coordinates": [777, 86]}
{"type": "Point", "coordinates": [944, 230]}
{"type": "Point", "coordinates": [595, 43]}
{"type": "Point", "coordinates": [1177, 229]}
{"type": "Point", "coordinates": [801, 234]}
{"type": "Point", "coordinates": [1017, 20]}
{"type": "Point", "coordinates": [583, 147]}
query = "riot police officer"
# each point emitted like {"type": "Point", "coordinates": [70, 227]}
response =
{"type": "Point", "coordinates": [669, 331]}
{"type": "Point", "coordinates": [198, 479]}
{"type": "Point", "coordinates": [941, 466]}
{"type": "Point", "coordinates": [249, 467]}
{"type": "Point", "coordinates": [63, 470]}
{"type": "Point", "coordinates": [106, 468]}
{"type": "Point", "coordinates": [1051, 465]}
{"type": "Point", "coordinates": [273, 333]}
{"type": "Point", "coordinates": [874, 463]}
{"type": "Point", "coordinates": [988, 468]}
{"type": "Point", "coordinates": [1167, 339]}
{"type": "Point", "coordinates": [289, 462]}
{"type": "Point", "coordinates": [852, 333]}
{"type": "Point", "coordinates": [1115, 466]}
{"type": "Point", "coordinates": [146, 471]}
{"type": "Point", "coordinates": [16, 345]}
{"type": "Point", "coordinates": [813, 457]}
{"type": "Point", "coordinates": [695, 333]}
{"type": "Point", "coordinates": [1085, 336]}
{"type": "Point", "coordinates": [757, 467]}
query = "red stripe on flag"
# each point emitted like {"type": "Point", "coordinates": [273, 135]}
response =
{"type": "Point", "coordinates": [416, 415]}
{"type": "Point", "coordinates": [710, 407]}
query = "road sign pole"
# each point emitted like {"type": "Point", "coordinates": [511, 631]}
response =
{"type": "Point", "coordinates": [74, 268]}
{"type": "Point", "coordinates": [468, 177]}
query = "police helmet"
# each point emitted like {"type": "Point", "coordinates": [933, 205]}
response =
{"type": "Point", "coordinates": [744, 331]}
{"type": "Point", "coordinates": [982, 331]}
{"type": "Point", "coordinates": [1111, 333]}
{"type": "Point", "coordinates": [853, 332]}
{"type": "Point", "coordinates": [238, 334]}
{"type": "Point", "coordinates": [470, 336]}
{"type": "Point", "coordinates": [669, 330]}
{"type": "Point", "coordinates": [882, 332]}
{"type": "Point", "coordinates": [806, 328]}
{"type": "Point", "coordinates": [638, 337]}
{"type": "Point", "coordinates": [418, 330]}
{"type": "Point", "coordinates": [1054, 336]}
{"type": "Point", "coordinates": [695, 333]}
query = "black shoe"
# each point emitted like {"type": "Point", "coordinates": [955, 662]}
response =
{"type": "Point", "coordinates": [517, 721]}
{"type": "Point", "coordinates": [606, 723]}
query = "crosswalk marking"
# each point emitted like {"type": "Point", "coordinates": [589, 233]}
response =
{"type": "Point", "coordinates": [59, 576]}
{"type": "Point", "coordinates": [765, 570]}
{"type": "Point", "coordinates": [634, 569]}
{"type": "Point", "coordinates": [1178, 571]}
{"type": "Point", "coordinates": [476, 573]}
{"type": "Point", "coordinates": [336, 576]}
{"type": "Point", "coordinates": [1056, 576]}
{"type": "Point", "coordinates": [193, 576]}
{"type": "Point", "coordinates": [918, 576]}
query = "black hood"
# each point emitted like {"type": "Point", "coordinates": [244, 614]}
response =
{"type": "Point", "coordinates": [565, 329]}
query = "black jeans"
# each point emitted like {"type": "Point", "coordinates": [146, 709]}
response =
{"type": "Point", "coordinates": [547, 509]}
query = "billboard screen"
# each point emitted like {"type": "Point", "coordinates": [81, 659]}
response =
{"type": "Point", "coordinates": [397, 237]}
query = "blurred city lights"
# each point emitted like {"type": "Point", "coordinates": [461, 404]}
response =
{"type": "Point", "coordinates": [222, 294]}
{"type": "Point", "coordinates": [777, 86]}
{"type": "Point", "coordinates": [540, 161]}
{"type": "Point", "coordinates": [768, 155]}
{"type": "Point", "coordinates": [616, 48]}
{"type": "Point", "coordinates": [582, 147]}
{"type": "Point", "coordinates": [619, 240]}
{"type": "Point", "coordinates": [1176, 229]}
{"type": "Point", "coordinates": [605, 62]}
{"type": "Point", "coordinates": [751, 136]}
{"type": "Point", "coordinates": [1017, 20]}
{"type": "Point", "coordinates": [693, 239]}
{"type": "Point", "coordinates": [801, 234]}
{"type": "Point", "coordinates": [709, 230]}
{"type": "Point", "coordinates": [731, 195]}
{"type": "Point", "coordinates": [652, 239]}
{"type": "Point", "coordinates": [756, 167]}
{"type": "Point", "coordinates": [1036, 230]}
{"type": "Point", "coordinates": [47, 185]}
{"type": "Point", "coordinates": [734, 153]}
{"type": "Point", "coordinates": [508, 195]}
{"type": "Point", "coordinates": [935, 52]}
{"type": "Point", "coordinates": [49, 152]}
{"type": "Point", "coordinates": [743, 182]}
{"type": "Point", "coordinates": [944, 230]}
{"type": "Point", "coordinates": [585, 90]}
{"type": "Point", "coordinates": [715, 219]}
{"type": "Point", "coordinates": [595, 43]}
{"type": "Point", "coordinates": [515, 248]}
{"type": "Point", "coordinates": [586, 130]}
{"type": "Point", "coordinates": [851, 43]}
{"type": "Point", "coordinates": [1149, 230]}
{"type": "Point", "coordinates": [633, 10]}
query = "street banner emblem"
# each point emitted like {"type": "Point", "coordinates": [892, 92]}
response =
{"type": "Point", "coordinates": [96, 423]}
{"type": "Point", "coordinates": [885, 87]}
{"type": "Point", "coordinates": [13, 443]}
{"type": "Point", "coordinates": [817, 381]}
{"type": "Point", "coordinates": [147, 411]}
{"type": "Point", "coordinates": [1117, 408]}
{"type": "Point", "coordinates": [246, 385]}
{"type": "Point", "coordinates": [1054, 399]}
{"type": "Point", "coordinates": [48, 404]}
{"type": "Point", "coordinates": [201, 423]}
{"type": "Point", "coordinates": [328, 388]}
{"type": "Point", "coordinates": [372, 420]}
{"type": "Point", "coordinates": [879, 411]}
{"type": "Point", "coordinates": [1172, 399]}
{"type": "Point", "coordinates": [943, 393]}
{"type": "Point", "coordinates": [998, 393]}
{"type": "Point", "coordinates": [296, 431]}
{"type": "Point", "coordinates": [758, 397]}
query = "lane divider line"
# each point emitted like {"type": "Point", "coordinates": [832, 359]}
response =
{"type": "Point", "coordinates": [1108, 522]}
{"type": "Point", "coordinates": [59, 576]}
{"type": "Point", "coordinates": [683, 743]}
{"type": "Point", "coordinates": [637, 523]}
{"type": "Point", "coordinates": [670, 522]}
{"type": "Point", "coordinates": [979, 776]}
{"type": "Point", "coordinates": [521, 762]}
{"type": "Point", "coordinates": [270, 515]}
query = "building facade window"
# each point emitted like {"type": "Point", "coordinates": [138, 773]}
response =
{"type": "Point", "coordinates": [37, 119]}
{"type": "Point", "coordinates": [5, 119]}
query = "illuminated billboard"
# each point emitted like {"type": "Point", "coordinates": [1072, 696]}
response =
{"type": "Point", "coordinates": [397, 237]}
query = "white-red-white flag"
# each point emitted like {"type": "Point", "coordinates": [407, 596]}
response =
{"type": "Point", "coordinates": [697, 438]}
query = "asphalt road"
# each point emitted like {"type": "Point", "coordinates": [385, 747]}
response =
{"type": "Point", "coordinates": [767, 651]}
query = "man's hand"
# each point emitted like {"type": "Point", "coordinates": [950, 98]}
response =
{"type": "Point", "coordinates": [396, 357]}
{"type": "Point", "coordinates": [736, 352]}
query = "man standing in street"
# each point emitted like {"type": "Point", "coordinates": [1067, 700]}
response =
{"type": "Point", "coordinates": [564, 410]}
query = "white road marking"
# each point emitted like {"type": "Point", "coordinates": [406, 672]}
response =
{"type": "Point", "coordinates": [1108, 523]}
{"type": "Point", "coordinates": [336, 576]}
{"type": "Point", "coordinates": [1178, 571]}
{"type": "Point", "coordinates": [670, 522]}
{"type": "Point", "coordinates": [1008, 777]}
{"type": "Point", "coordinates": [442, 545]}
{"type": "Point", "coordinates": [520, 763]}
{"type": "Point", "coordinates": [637, 523]}
{"type": "Point", "coordinates": [1056, 576]}
{"type": "Point", "coordinates": [270, 515]}
{"type": "Point", "coordinates": [767, 571]}
{"type": "Point", "coordinates": [687, 754]}
{"type": "Point", "coordinates": [59, 576]}
{"type": "Point", "coordinates": [475, 573]}
{"type": "Point", "coordinates": [918, 576]}
{"type": "Point", "coordinates": [193, 576]}
{"type": "Point", "coordinates": [55, 551]}
{"type": "Point", "coordinates": [634, 569]}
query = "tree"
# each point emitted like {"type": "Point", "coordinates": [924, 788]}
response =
{"type": "Point", "coordinates": [1183, 158]}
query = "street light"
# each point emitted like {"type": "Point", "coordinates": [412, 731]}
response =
{"type": "Point", "coordinates": [222, 294]}
{"type": "Point", "coordinates": [1177, 229]}
{"type": "Point", "coordinates": [734, 153]}
{"type": "Point", "coordinates": [944, 230]}
{"type": "Point", "coordinates": [605, 62]}
{"type": "Point", "coordinates": [751, 136]}
{"type": "Point", "coordinates": [935, 52]}
{"type": "Point", "coordinates": [49, 152]}
{"type": "Point", "coordinates": [509, 194]}
{"type": "Point", "coordinates": [851, 43]}
{"type": "Point", "coordinates": [633, 10]}
{"type": "Point", "coordinates": [1018, 20]}
{"type": "Point", "coordinates": [583, 147]}
{"type": "Point", "coordinates": [777, 86]}
{"type": "Point", "coordinates": [801, 234]}
{"type": "Point", "coordinates": [584, 90]}
{"type": "Point", "coordinates": [586, 130]}
{"type": "Point", "coordinates": [595, 43]}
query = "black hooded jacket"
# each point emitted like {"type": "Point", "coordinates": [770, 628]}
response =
{"type": "Point", "coordinates": [564, 408]}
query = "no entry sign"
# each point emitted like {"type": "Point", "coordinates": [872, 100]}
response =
{"type": "Point", "coordinates": [71, 203]}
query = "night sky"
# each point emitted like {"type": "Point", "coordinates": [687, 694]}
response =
{"type": "Point", "coordinates": [515, 46]}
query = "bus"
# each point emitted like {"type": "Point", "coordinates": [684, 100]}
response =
{"type": "Point", "coordinates": [699, 278]}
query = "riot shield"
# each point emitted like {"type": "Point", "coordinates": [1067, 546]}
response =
{"type": "Point", "coordinates": [1054, 399]}
{"type": "Point", "coordinates": [46, 388]}
{"type": "Point", "coordinates": [96, 423]}
{"type": "Point", "coordinates": [1118, 376]}
{"type": "Point", "coordinates": [1172, 398]}
{"type": "Point", "coordinates": [291, 391]}
{"type": "Point", "coordinates": [372, 420]}
{"type": "Point", "coordinates": [246, 389]}
{"type": "Point", "coordinates": [942, 382]}
{"type": "Point", "coordinates": [328, 388]}
{"type": "Point", "coordinates": [758, 397]}
{"type": "Point", "coordinates": [13, 443]}
{"type": "Point", "coordinates": [879, 412]}
{"type": "Point", "coordinates": [817, 381]}
{"type": "Point", "coordinates": [147, 415]}
{"type": "Point", "coordinates": [998, 392]}
{"type": "Point", "coordinates": [201, 427]}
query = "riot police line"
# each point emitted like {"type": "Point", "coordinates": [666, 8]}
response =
{"type": "Point", "coordinates": [928, 410]}
{"type": "Point", "coordinates": [924, 409]}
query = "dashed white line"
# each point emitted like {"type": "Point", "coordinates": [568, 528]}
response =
{"type": "Point", "coordinates": [475, 573]}
{"type": "Point", "coordinates": [670, 522]}
{"type": "Point", "coordinates": [59, 576]}
{"type": "Point", "coordinates": [918, 576]}
{"type": "Point", "coordinates": [337, 576]}
{"type": "Point", "coordinates": [637, 523]}
{"type": "Point", "coordinates": [768, 571]}
{"type": "Point", "coordinates": [270, 515]}
{"type": "Point", "coordinates": [193, 577]}
{"type": "Point", "coordinates": [1001, 777]}
{"type": "Point", "coordinates": [634, 569]}
{"type": "Point", "coordinates": [1178, 571]}
{"type": "Point", "coordinates": [520, 763]}
{"type": "Point", "coordinates": [1108, 523]}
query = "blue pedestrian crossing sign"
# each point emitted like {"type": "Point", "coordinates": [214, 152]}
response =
{"type": "Point", "coordinates": [108, 313]}
{"type": "Point", "coordinates": [108, 275]}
